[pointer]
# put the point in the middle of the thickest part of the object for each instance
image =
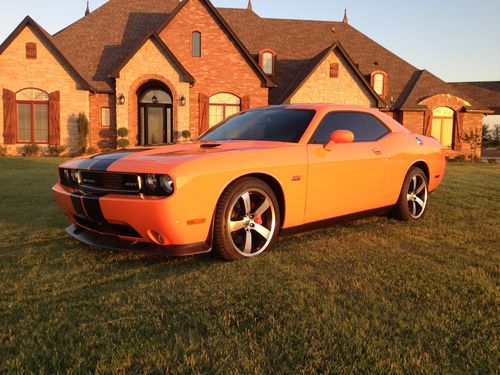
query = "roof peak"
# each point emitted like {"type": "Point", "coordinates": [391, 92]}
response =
{"type": "Point", "coordinates": [346, 19]}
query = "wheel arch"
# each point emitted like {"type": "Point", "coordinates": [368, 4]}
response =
{"type": "Point", "coordinates": [273, 183]}
{"type": "Point", "coordinates": [423, 166]}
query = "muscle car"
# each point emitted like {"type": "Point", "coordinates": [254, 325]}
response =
{"type": "Point", "coordinates": [256, 175]}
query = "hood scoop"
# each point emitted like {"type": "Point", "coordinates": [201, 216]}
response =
{"type": "Point", "coordinates": [210, 145]}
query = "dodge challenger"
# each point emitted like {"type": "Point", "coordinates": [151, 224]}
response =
{"type": "Point", "coordinates": [256, 175]}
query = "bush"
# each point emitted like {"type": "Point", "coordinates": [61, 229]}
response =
{"type": "Point", "coordinates": [30, 150]}
{"type": "Point", "coordinates": [3, 150]}
{"type": "Point", "coordinates": [123, 143]}
{"type": "Point", "coordinates": [123, 132]}
{"type": "Point", "coordinates": [186, 134]}
{"type": "Point", "coordinates": [83, 132]}
{"type": "Point", "coordinates": [55, 150]}
{"type": "Point", "coordinates": [107, 149]}
{"type": "Point", "coordinates": [91, 150]}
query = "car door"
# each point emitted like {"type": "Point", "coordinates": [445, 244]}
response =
{"type": "Point", "coordinates": [350, 177]}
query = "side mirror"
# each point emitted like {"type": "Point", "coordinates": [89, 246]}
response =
{"type": "Point", "coordinates": [339, 136]}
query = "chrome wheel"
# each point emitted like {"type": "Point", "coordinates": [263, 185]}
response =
{"type": "Point", "coordinates": [417, 196]}
{"type": "Point", "coordinates": [251, 222]}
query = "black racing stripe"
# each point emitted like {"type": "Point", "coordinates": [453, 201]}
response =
{"type": "Point", "coordinates": [76, 200]}
{"type": "Point", "coordinates": [102, 162]}
{"type": "Point", "coordinates": [93, 208]}
{"type": "Point", "coordinates": [84, 164]}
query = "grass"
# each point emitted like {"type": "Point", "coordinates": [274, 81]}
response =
{"type": "Point", "coordinates": [375, 295]}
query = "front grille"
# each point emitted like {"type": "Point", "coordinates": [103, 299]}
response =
{"type": "Point", "coordinates": [110, 182]}
{"type": "Point", "coordinates": [107, 228]}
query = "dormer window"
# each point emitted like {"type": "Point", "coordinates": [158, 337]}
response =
{"type": "Point", "coordinates": [267, 61]}
{"type": "Point", "coordinates": [379, 83]}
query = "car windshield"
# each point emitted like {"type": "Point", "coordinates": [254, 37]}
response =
{"type": "Point", "coordinates": [267, 124]}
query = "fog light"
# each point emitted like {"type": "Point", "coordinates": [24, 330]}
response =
{"type": "Point", "coordinates": [156, 237]}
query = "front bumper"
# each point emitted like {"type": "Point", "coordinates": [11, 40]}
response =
{"type": "Point", "coordinates": [137, 223]}
{"type": "Point", "coordinates": [115, 243]}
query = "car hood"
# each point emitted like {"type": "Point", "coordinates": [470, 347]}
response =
{"type": "Point", "coordinates": [166, 156]}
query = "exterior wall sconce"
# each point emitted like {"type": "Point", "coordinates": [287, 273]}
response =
{"type": "Point", "coordinates": [182, 100]}
{"type": "Point", "coordinates": [121, 99]}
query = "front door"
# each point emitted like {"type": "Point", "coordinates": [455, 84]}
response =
{"type": "Point", "coordinates": [155, 115]}
{"type": "Point", "coordinates": [155, 124]}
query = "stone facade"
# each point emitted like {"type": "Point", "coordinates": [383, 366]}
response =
{"type": "Point", "coordinates": [45, 73]}
{"type": "Point", "coordinates": [346, 89]}
{"type": "Point", "coordinates": [150, 63]}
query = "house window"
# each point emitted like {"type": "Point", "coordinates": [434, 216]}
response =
{"type": "Point", "coordinates": [31, 50]}
{"type": "Point", "coordinates": [32, 116]}
{"type": "Point", "coordinates": [379, 83]}
{"type": "Point", "coordinates": [105, 117]}
{"type": "Point", "coordinates": [334, 70]}
{"type": "Point", "coordinates": [196, 44]}
{"type": "Point", "coordinates": [267, 61]}
{"type": "Point", "coordinates": [442, 125]}
{"type": "Point", "coordinates": [222, 106]}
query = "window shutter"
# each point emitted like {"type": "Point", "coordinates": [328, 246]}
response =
{"type": "Point", "coordinates": [54, 119]}
{"type": "Point", "coordinates": [204, 114]}
{"type": "Point", "coordinates": [245, 103]}
{"type": "Point", "coordinates": [458, 124]}
{"type": "Point", "coordinates": [9, 117]}
{"type": "Point", "coordinates": [31, 50]}
{"type": "Point", "coordinates": [334, 70]}
{"type": "Point", "coordinates": [428, 122]}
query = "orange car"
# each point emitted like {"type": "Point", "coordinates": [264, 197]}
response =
{"type": "Point", "coordinates": [257, 174]}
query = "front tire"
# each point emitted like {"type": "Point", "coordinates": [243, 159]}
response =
{"type": "Point", "coordinates": [247, 220]}
{"type": "Point", "coordinates": [413, 200]}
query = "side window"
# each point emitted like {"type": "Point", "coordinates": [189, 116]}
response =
{"type": "Point", "coordinates": [366, 128]}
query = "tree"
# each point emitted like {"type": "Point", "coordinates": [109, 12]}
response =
{"type": "Point", "coordinates": [495, 135]}
{"type": "Point", "coordinates": [83, 132]}
{"type": "Point", "coordinates": [486, 134]}
{"type": "Point", "coordinates": [474, 140]}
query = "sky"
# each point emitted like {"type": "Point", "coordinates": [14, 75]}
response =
{"type": "Point", "coordinates": [457, 40]}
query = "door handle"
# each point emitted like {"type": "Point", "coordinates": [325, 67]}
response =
{"type": "Point", "coordinates": [377, 151]}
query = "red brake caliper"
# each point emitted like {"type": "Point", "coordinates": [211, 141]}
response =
{"type": "Point", "coordinates": [257, 219]}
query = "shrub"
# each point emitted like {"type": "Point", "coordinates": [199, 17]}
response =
{"type": "Point", "coordinates": [91, 150]}
{"type": "Point", "coordinates": [186, 134]}
{"type": "Point", "coordinates": [107, 149]}
{"type": "Point", "coordinates": [30, 150]}
{"type": "Point", "coordinates": [123, 143]}
{"type": "Point", "coordinates": [123, 132]}
{"type": "Point", "coordinates": [55, 150]}
{"type": "Point", "coordinates": [83, 132]}
{"type": "Point", "coordinates": [3, 150]}
{"type": "Point", "coordinates": [474, 140]}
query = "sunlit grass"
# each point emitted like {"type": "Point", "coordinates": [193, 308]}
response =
{"type": "Point", "coordinates": [372, 295]}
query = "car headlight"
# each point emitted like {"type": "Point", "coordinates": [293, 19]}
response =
{"type": "Point", "coordinates": [75, 174]}
{"type": "Point", "coordinates": [167, 184]}
{"type": "Point", "coordinates": [158, 184]}
{"type": "Point", "coordinates": [66, 176]}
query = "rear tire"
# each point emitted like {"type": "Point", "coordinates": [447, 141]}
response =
{"type": "Point", "coordinates": [247, 220]}
{"type": "Point", "coordinates": [414, 196]}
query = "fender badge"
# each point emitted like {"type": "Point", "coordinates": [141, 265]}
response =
{"type": "Point", "coordinates": [296, 178]}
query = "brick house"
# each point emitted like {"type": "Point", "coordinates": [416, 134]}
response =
{"type": "Point", "coordinates": [160, 67]}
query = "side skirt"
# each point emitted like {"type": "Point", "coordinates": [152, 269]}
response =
{"type": "Point", "coordinates": [335, 221]}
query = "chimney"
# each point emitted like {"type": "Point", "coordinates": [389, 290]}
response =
{"type": "Point", "coordinates": [345, 20]}
{"type": "Point", "coordinates": [87, 11]}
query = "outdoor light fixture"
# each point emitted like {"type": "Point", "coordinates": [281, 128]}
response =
{"type": "Point", "coordinates": [121, 99]}
{"type": "Point", "coordinates": [154, 99]}
{"type": "Point", "coordinates": [182, 100]}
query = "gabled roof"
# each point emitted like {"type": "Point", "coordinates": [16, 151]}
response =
{"type": "Point", "coordinates": [101, 41]}
{"type": "Point", "coordinates": [314, 63]}
{"type": "Point", "coordinates": [153, 36]}
{"type": "Point", "coordinates": [227, 28]}
{"type": "Point", "coordinates": [487, 93]}
{"type": "Point", "coordinates": [425, 85]}
{"type": "Point", "coordinates": [45, 37]}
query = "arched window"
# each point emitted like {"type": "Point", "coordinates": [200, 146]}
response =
{"type": "Point", "coordinates": [379, 83]}
{"type": "Point", "coordinates": [32, 116]}
{"type": "Point", "coordinates": [442, 125]}
{"type": "Point", "coordinates": [267, 61]}
{"type": "Point", "coordinates": [222, 106]}
{"type": "Point", "coordinates": [196, 44]}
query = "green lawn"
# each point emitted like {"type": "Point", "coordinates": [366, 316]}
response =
{"type": "Point", "coordinates": [375, 295]}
